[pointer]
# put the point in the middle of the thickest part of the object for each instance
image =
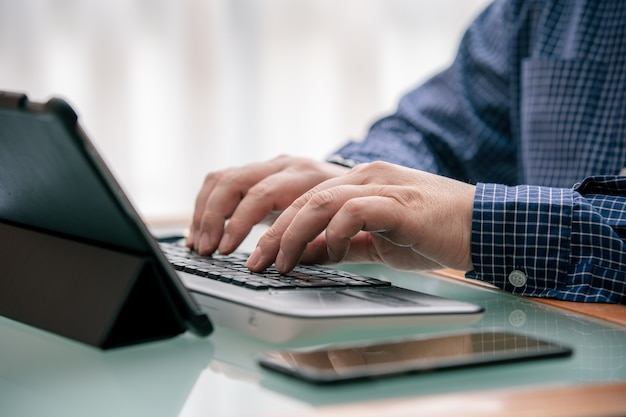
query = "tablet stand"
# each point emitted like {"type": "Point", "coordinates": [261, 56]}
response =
{"type": "Point", "coordinates": [99, 296]}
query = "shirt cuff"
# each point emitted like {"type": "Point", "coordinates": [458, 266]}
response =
{"type": "Point", "coordinates": [521, 238]}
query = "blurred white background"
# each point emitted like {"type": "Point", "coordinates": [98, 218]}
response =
{"type": "Point", "coordinates": [171, 89]}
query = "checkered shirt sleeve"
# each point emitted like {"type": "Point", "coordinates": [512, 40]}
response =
{"type": "Point", "coordinates": [535, 95]}
{"type": "Point", "coordinates": [563, 243]}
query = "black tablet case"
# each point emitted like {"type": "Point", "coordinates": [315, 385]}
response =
{"type": "Point", "coordinates": [74, 258]}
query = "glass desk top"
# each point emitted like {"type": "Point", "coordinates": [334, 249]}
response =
{"type": "Point", "coordinates": [42, 374]}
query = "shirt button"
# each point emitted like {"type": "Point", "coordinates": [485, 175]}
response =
{"type": "Point", "coordinates": [517, 278]}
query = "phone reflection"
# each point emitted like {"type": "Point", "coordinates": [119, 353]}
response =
{"type": "Point", "coordinates": [411, 355]}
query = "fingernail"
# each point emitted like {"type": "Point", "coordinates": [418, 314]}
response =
{"type": "Point", "coordinates": [203, 244]}
{"type": "Point", "coordinates": [280, 261]}
{"type": "Point", "coordinates": [254, 258]}
{"type": "Point", "coordinates": [189, 240]}
{"type": "Point", "coordinates": [332, 256]}
{"type": "Point", "coordinates": [225, 244]}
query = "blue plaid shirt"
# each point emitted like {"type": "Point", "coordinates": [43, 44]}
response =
{"type": "Point", "coordinates": [535, 96]}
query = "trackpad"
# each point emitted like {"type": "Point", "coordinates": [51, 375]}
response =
{"type": "Point", "coordinates": [380, 297]}
{"type": "Point", "coordinates": [343, 299]}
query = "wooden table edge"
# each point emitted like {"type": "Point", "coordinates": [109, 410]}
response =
{"type": "Point", "coordinates": [614, 313]}
{"type": "Point", "coordinates": [597, 400]}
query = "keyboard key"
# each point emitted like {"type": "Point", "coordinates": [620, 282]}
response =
{"type": "Point", "coordinates": [232, 269]}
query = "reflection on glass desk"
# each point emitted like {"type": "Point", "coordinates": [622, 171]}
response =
{"type": "Point", "coordinates": [42, 374]}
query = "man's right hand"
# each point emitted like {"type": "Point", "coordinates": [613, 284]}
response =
{"type": "Point", "coordinates": [247, 195]}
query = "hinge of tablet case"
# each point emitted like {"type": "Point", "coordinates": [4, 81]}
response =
{"type": "Point", "coordinates": [12, 100]}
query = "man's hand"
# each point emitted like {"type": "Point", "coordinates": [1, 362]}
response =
{"type": "Point", "coordinates": [247, 195]}
{"type": "Point", "coordinates": [378, 212]}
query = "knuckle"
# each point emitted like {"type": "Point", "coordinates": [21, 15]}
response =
{"type": "Point", "coordinates": [301, 201]}
{"type": "Point", "coordinates": [334, 236]}
{"type": "Point", "coordinates": [282, 157]}
{"type": "Point", "coordinates": [228, 178]}
{"type": "Point", "coordinates": [371, 171]}
{"type": "Point", "coordinates": [372, 167]}
{"type": "Point", "coordinates": [212, 177]}
{"type": "Point", "coordinates": [208, 219]}
{"type": "Point", "coordinates": [407, 197]}
{"type": "Point", "coordinates": [377, 165]}
{"type": "Point", "coordinates": [261, 190]}
{"type": "Point", "coordinates": [354, 207]}
{"type": "Point", "coordinates": [285, 161]}
{"type": "Point", "coordinates": [304, 164]}
{"type": "Point", "coordinates": [271, 235]}
{"type": "Point", "coordinates": [290, 237]}
{"type": "Point", "coordinates": [322, 199]}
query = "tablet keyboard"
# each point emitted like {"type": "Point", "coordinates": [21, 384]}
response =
{"type": "Point", "coordinates": [232, 269]}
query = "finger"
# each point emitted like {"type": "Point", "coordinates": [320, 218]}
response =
{"type": "Point", "coordinates": [306, 220]}
{"type": "Point", "coordinates": [369, 213]}
{"type": "Point", "coordinates": [258, 204]}
{"type": "Point", "coordinates": [383, 215]}
{"type": "Point", "coordinates": [217, 208]}
{"type": "Point", "coordinates": [360, 251]}
{"type": "Point", "coordinates": [376, 229]}
{"type": "Point", "coordinates": [268, 245]}
{"type": "Point", "coordinates": [316, 252]}
{"type": "Point", "coordinates": [426, 237]}
{"type": "Point", "coordinates": [268, 198]}
{"type": "Point", "coordinates": [358, 209]}
{"type": "Point", "coordinates": [218, 198]}
{"type": "Point", "coordinates": [301, 223]}
{"type": "Point", "coordinates": [205, 191]}
{"type": "Point", "coordinates": [352, 210]}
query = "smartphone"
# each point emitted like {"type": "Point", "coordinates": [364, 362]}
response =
{"type": "Point", "coordinates": [415, 355]}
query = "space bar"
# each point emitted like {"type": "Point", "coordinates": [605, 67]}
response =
{"type": "Point", "coordinates": [378, 296]}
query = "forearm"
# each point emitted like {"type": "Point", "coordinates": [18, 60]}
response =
{"type": "Point", "coordinates": [552, 242]}
{"type": "Point", "coordinates": [457, 123]}
{"type": "Point", "coordinates": [390, 140]}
